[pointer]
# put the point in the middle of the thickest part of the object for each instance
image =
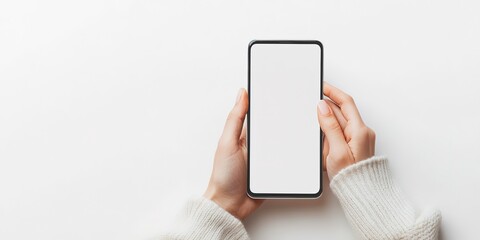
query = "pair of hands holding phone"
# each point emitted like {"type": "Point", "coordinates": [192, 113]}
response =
{"type": "Point", "coordinates": [347, 141]}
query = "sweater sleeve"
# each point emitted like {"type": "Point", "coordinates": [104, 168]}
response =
{"type": "Point", "coordinates": [204, 219]}
{"type": "Point", "coordinates": [375, 206]}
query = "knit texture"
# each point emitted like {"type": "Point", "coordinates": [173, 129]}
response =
{"type": "Point", "coordinates": [376, 208]}
{"type": "Point", "coordinates": [203, 219]}
{"type": "Point", "coordinates": [372, 202]}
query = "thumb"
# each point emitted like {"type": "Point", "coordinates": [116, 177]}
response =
{"type": "Point", "coordinates": [329, 125]}
{"type": "Point", "coordinates": [236, 117]}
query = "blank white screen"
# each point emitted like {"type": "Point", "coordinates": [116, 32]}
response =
{"type": "Point", "coordinates": [284, 132]}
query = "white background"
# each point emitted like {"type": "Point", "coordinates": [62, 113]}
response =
{"type": "Point", "coordinates": [110, 111]}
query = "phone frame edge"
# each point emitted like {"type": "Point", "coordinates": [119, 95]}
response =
{"type": "Point", "coordinates": [283, 195]}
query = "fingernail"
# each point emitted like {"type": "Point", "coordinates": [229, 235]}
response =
{"type": "Point", "coordinates": [239, 95]}
{"type": "Point", "coordinates": [323, 108]}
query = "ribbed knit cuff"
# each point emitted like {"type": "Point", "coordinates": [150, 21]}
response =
{"type": "Point", "coordinates": [372, 202]}
{"type": "Point", "coordinates": [203, 219]}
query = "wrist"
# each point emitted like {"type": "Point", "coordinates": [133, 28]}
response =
{"type": "Point", "coordinates": [224, 202]}
{"type": "Point", "coordinates": [333, 170]}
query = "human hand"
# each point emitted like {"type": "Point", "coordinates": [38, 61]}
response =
{"type": "Point", "coordinates": [347, 138]}
{"type": "Point", "coordinates": [228, 182]}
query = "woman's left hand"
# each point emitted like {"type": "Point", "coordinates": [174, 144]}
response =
{"type": "Point", "coordinates": [228, 182]}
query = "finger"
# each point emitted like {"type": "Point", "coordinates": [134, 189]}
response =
{"type": "Point", "coordinates": [325, 152]}
{"type": "Point", "coordinates": [344, 101]}
{"type": "Point", "coordinates": [330, 126]}
{"type": "Point", "coordinates": [234, 124]}
{"type": "Point", "coordinates": [338, 114]}
{"type": "Point", "coordinates": [243, 135]}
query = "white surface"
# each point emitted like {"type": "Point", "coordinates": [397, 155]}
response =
{"type": "Point", "coordinates": [284, 132]}
{"type": "Point", "coordinates": [110, 111]}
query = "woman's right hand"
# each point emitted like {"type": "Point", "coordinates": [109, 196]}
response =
{"type": "Point", "coordinates": [347, 139]}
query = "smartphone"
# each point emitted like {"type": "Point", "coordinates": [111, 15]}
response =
{"type": "Point", "coordinates": [284, 140]}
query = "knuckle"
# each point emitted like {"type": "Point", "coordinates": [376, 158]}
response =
{"type": "Point", "coordinates": [234, 116]}
{"type": "Point", "coordinates": [349, 99]}
{"type": "Point", "coordinates": [332, 125]}
{"type": "Point", "coordinates": [338, 157]}
{"type": "Point", "coordinates": [363, 132]}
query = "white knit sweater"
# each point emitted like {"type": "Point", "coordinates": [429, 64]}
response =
{"type": "Point", "coordinates": [373, 204]}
